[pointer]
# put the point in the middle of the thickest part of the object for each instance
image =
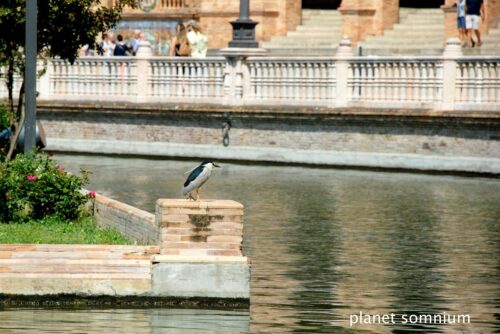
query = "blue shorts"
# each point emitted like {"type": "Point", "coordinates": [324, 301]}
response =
{"type": "Point", "coordinates": [461, 22]}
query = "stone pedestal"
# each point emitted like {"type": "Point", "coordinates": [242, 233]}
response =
{"type": "Point", "coordinates": [200, 228]}
{"type": "Point", "coordinates": [201, 250]}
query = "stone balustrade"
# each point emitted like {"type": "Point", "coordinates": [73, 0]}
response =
{"type": "Point", "coordinates": [449, 82]}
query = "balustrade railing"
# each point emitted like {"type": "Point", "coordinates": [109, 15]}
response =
{"type": "Point", "coordinates": [184, 78]}
{"type": "Point", "coordinates": [397, 80]}
{"type": "Point", "coordinates": [93, 78]}
{"type": "Point", "coordinates": [172, 3]}
{"type": "Point", "coordinates": [292, 79]}
{"type": "Point", "coordinates": [478, 80]}
{"type": "Point", "coordinates": [448, 82]}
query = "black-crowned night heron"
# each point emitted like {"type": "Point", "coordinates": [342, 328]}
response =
{"type": "Point", "coordinates": [197, 178]}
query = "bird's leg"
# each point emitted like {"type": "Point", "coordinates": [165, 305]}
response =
{"type": "Point", "coordinates": [190, 196]}
{"type": "Point", "coordinates": [197, 194]}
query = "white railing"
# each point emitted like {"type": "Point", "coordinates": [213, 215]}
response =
{"type": "Point", "coordinates": [303, 80]}
{"type": "Point", "coordinates": [93, 78]}
{"type": "Point", "coordinates": [450, 82]}
{"type": "Point", "coordinates": [478, 80]}
{"type": "Point", "coordinates": [188, 79]}
{"type": "Point", "coordinates": [396, 80]}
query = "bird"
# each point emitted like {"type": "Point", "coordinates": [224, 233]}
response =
{"type": "Point", "coordinates": [197, 178]}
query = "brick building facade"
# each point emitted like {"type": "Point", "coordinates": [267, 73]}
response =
{"type": "Point", "coordinates": [361, 18]}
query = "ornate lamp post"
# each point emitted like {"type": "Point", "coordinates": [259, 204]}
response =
{"type": "Point", "coordinates": [244, 28]}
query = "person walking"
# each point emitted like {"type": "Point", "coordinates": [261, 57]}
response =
{"type": "Point", "coordinates": [474, 15]}
{"type": "Point", "coordinates": [462, 29]}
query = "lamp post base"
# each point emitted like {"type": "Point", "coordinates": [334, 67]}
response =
{"type": "Point", "coordinates": [244, 34]}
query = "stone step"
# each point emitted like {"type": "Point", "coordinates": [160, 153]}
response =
{"type": "Point", "coordinates": [33, 262]}
{"type": "Point", "coordinates": [305, 39]}
{"type": "Point", "coordinates": [299, 46]}
{"type": "Point", "coordinates": [401, 46]}
{"type": "Point", "coordinates": [79, 276]}
{"type": "Point", "coordinates": [321, 23]}
{"type": "Point", "coordinates": [73, 269]}
{"type": "Point", "coordinates": [320, 12]}
{"type": "Point", "coordinates": [406, 39]}
{"type": "Point", "coordinates": [313, 30]}
{"type": "Point", "coordinates": [322, 34]}
{"type": "Point", "coordinates": [411, 27]}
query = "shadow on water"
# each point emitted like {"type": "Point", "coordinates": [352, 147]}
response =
{"type": "Point", "coordinates": [324, 244]}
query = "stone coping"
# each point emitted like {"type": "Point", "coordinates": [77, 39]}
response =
{"type": "Point", "coordinates": [114, 204]}
{"type": "Point", "coordinates": [203, 204]}
{"type": "Point", "coordinates": [266, 110]}
{"type": "Point", "coordinates": [198, 259]}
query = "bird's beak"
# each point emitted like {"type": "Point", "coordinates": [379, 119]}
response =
{"type": "Point", "coordinates": [218, 166]}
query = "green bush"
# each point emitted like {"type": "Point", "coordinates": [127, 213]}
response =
{"type": "Point", "coordinates": [34, 186]}
{"type": "Point", "coordinates": [4, 117]}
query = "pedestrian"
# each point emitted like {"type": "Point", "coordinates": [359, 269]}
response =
{"type": "Point", "coordinates": [134, 42]}
{"type": "Point", "coordinates": [121, 49]}
{"type": "Point", "coordinates": [179, 46]}
{"type": "Point", "coordinates": [462, 30]}
{"type": "Point", "coordinates": [474, 15]}
{"type": "Point", "coordinates": [103, 46]}
{"type": "Point", "coordinates": [111, 45]}
{"type": "Point", "coordinates": [197, 41]}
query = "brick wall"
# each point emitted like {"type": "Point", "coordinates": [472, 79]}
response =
{"type": "Point", "coordinates": [136, 224]}
{"type": "Point", "coordinates": [275, 18]}
{"type": "Point", "coordinates": [362, 18]}
{"type": "Point", "coordinates": [399, 131]}
{"type": "Point", "coordinates": [201, 228]}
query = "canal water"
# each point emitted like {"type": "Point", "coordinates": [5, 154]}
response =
{"type": "Point", "coordinates": [325, 245]}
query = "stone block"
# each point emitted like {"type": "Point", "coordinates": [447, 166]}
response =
{"type": "Point", "coordinates": [203, 279]}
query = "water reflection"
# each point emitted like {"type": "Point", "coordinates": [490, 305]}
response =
{"type": "Point", "coordinates": [137, 321]}
{"type": "Point", "coordinates": [326, 244]}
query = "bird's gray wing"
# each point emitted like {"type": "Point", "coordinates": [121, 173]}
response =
{"type": "Point", "coordinates": [190, 171]}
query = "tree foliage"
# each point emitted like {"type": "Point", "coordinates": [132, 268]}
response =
{"type": "Point", "coordinates": [64, 26]}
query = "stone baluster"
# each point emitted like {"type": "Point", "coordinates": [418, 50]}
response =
{"type": "Point", "coordinates": [144, 54]}
{"type": "Point", "coordinates": [344, 54]}
{"type": "Point", "coordinates": [451, 53]}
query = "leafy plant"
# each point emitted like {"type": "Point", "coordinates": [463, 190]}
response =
{"type": "Point", "coordinates": [34, 186]}
{"type": "Point", "coordinates": [64, 26]}
{"type": "Point", "coordinates": [4, 117]}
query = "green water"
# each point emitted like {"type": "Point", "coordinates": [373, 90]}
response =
{"type": "Point", "coordinates": [325, 244]}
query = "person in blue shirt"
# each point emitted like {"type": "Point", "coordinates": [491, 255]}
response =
{"type": "Point", "coordinates": [462, 30]}
{"type": "Point", "coordinates": [474, 14]}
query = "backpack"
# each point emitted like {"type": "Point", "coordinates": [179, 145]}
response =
{"type": "Point", "coordinates": [184, 48]}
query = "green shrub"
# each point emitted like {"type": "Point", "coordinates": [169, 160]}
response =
{"type": "Point", "coordinates": [4, 117]}
{"type": "Point", "coordinates": [34, 186]}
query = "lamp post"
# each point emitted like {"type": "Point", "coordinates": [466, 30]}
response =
{"type": "Point", "coordinates": [244, 28]}
{"type": "Point", "coordinates": [30, 76]}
